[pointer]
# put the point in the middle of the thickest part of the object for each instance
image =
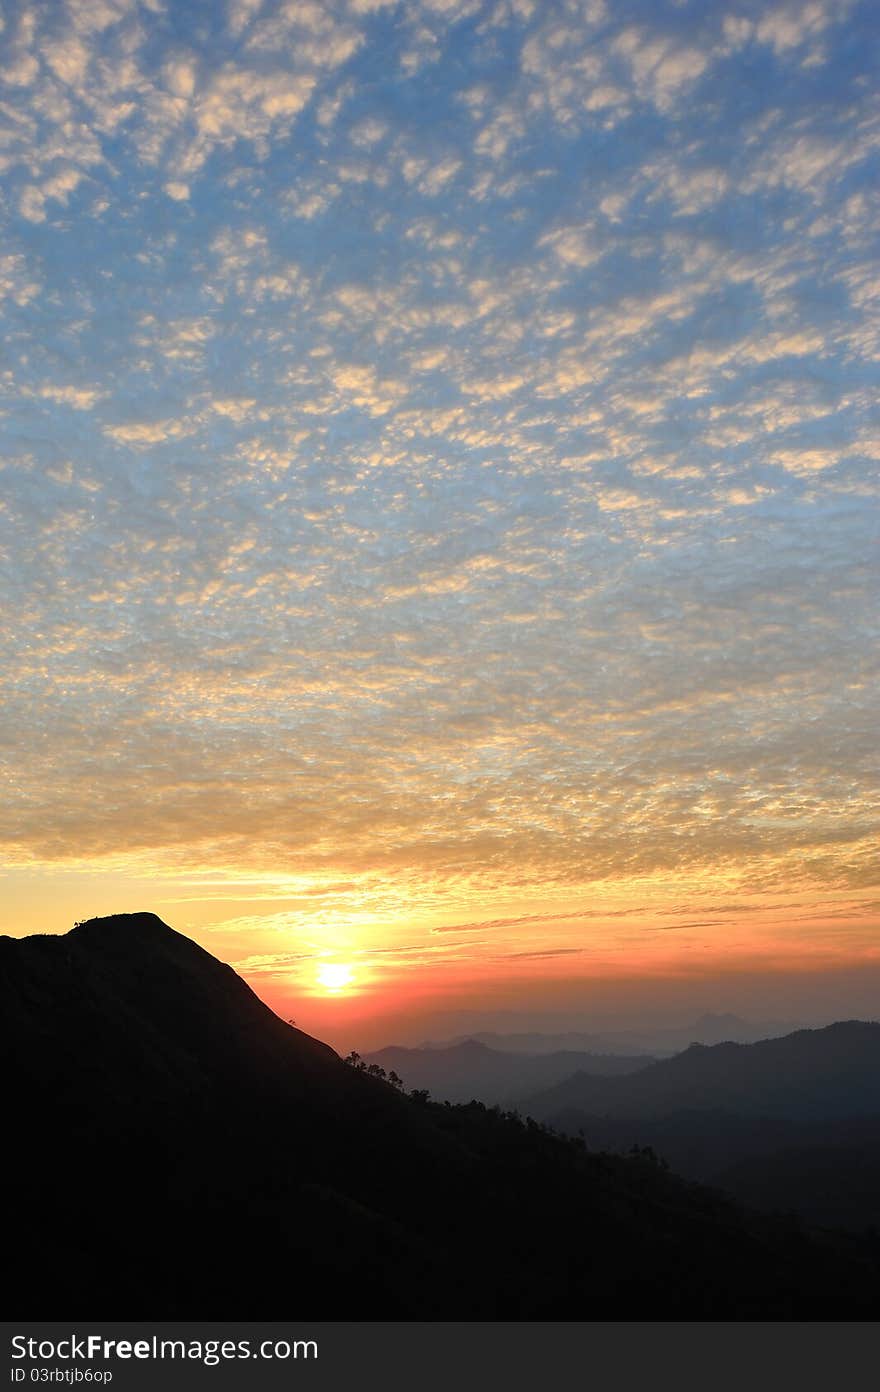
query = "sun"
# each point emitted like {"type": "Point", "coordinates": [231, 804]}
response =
{"type": "Point", "coordinates": [335, 976]}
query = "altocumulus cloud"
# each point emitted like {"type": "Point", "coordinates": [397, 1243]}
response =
{"type": "Point", "coordinates": [439, 440]}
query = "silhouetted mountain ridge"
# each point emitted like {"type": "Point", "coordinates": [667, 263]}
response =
{"type": "Point", "coordinates": [104, 979]}
{"type": "Point", "coordinates": [180, 1152]}
{"type": "Point", "coordinates": [808, 1075]}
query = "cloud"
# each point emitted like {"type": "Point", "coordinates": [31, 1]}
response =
{"type": "Point", "coordinates": [459, 484]}
{"type": "Point", "coordinates": [661, 69]}
{"type": "Point", "coordinates": [145, 432]}
{"type": "Point", "coordinates": [786, 27]}
{"type": "Point", "coordinates": [80, 398]}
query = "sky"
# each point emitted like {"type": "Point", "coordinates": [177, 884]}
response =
{"type": "Point", "coordinates": [438, 496]}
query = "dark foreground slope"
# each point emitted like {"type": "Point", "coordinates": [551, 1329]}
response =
{"type": "Point", "coordinates": [176, 1150]}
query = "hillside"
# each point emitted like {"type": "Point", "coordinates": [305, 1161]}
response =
{"type": "Point", "coordinates": [827, 1172]}
{"type": "Point", "coordinates": [180, 1152]}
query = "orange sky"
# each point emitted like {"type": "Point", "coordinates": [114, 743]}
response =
{"type": "Point", "coordinates": [438, 497]}
{"type": "Point", "coordinates": [352, 961]}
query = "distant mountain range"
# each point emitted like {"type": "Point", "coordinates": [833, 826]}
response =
{"type": "Point", "coordinates": [812, 1075]}
{"type": "Point", "coordinates": [175, 1150]}
{"type": "Point", "coordinates": [790, 1124]}
{"type": "Point", "coordinates": [470, 1070]}
{"type": "Point", "coordinates": [659, 1042]}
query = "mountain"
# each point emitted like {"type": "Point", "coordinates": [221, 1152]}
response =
{"type": "Point", "coordinates": [708, 1029]}
{"type": "Point", "coordinates": [716, 1028]}
{"type": "Point", "coordinates": [159, 1107]}
{"type": "Point", "coordinates": [174, 1150]}
{"type": "Point", "coordinates": [790, 1124]}
{"type": "Point", "coordinates": [571, 1041]}
{"type": "Point", "coordinates": [809, 1075]}
{"type": "Point", "coordinates": [472, 1070]}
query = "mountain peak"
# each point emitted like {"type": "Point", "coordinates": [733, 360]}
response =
{"type": "Point", "coordinates": [178, 1009]}
{"type": "Point", "coordinates": [135, 940]}
{"type": "Point", "coordinates": [142, 928]}
{"type": "Point", "coordinates": [105, 922]}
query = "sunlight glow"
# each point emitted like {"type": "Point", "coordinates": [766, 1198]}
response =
{"type": "Point", "coordinates": [335, 976]}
